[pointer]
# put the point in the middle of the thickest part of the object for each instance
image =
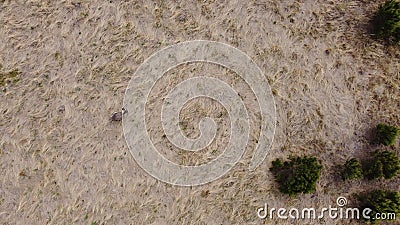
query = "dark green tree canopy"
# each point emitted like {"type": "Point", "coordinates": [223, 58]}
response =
{"type": "Point", "coordinates": [384, 164]}
{"type": "Point", "coordinates": [298, 175]}
{"type": "Point", "coordinates": [380, 201]}
{"type": "Point", "coordinates": [352, 169]}
{"type": "Point", "coordinates": [386, 22]}
{"type": "Point", "coordinates": [386, 134]}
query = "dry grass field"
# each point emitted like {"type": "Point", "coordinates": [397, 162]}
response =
{"type": "Point", "coordinates": [65, 66]}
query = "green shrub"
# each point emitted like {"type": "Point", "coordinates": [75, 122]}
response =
{"type": "Point", "coordinates": [298, 175]}
{"type": "Point", "coordinates": [384, 164]}
{"type": "Point", "coordinates": [380, 202]}
{"type": "Point", "coordinates": [386, 22]}
{"type": "Point", "coordinates": [386, 134]}
{"type": "Point", "coordinates": [352, 169]}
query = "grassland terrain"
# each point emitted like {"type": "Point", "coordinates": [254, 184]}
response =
{"type": "Point", "coordinates": [65, 66]}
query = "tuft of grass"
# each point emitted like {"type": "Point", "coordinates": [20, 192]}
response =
{"type": "Point", "coordinates": [9, 77]}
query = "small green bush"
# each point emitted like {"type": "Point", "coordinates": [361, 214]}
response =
{"type": "Point", "coordinates": [384, 164]}
{"type": "Point", "coordinates": [386, 22]}
{"type": "Point", "coordinates": [386, 134]}
{"type": "Point", "coordinates": [380, 202]}
{"type": "Point", "coordinates": [298, 175]}
{"type": "Point", "coordinates": [352, 169]}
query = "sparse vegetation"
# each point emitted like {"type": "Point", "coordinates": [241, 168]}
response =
{"type": "Point", "coordinates": [299, 175]}
{"type": "Point", "coordinates": [386, 22]}
{"type": "Point", "coordinates": [63, 162]}
{"type": "Point", "coordinates": [9, 77]}
{"type": "Point", "coordinates": [384, 164]}
{"type": "Point", "coordinates": [352, 169]}
{"type": "Point", "coordinates": [380, 201]}
{"type": "Point", "coordinates": [386, 134]}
